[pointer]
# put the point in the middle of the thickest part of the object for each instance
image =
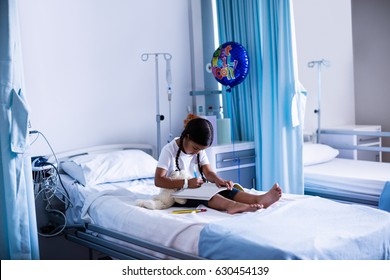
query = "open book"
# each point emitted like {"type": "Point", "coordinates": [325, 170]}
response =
{"type": "Point", "coordinates": [205, 192]}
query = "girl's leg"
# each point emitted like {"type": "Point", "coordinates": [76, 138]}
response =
{"type": "Point", "coordinates": [265, 200]}
{"type": "Point", "coordinates": [218, 202]}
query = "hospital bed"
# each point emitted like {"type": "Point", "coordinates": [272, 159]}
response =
{"type": "Point", "coordinates": [347, 180]}
{"type": "Point", "coordinates": [105, 182]}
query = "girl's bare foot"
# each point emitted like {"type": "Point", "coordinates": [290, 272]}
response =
{"type": "Point", "coordinates": [238, 207]}
{"type": "Point", "coordinates": [271, 196]}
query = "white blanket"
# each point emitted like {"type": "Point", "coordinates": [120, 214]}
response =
{"type": "Point", "coordinates": [354, 176]}
{"type": "Point", "coordinates": [292, 219]}
{"type": "Point", "coordinates": [313, 228]}
{"type": "Point", "coordinates": [112, 206]}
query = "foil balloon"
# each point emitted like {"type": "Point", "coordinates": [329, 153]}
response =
{"type": "Point", "coordinates": [230, 64]}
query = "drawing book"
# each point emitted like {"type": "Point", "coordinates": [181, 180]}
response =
{"type": "Point", "coordinates": [205, 192]}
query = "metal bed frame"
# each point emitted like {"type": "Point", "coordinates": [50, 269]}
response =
{"type": "Point", "coordinates": [360, 133]}
{"type": "Point", "coordinates": [82, 236]}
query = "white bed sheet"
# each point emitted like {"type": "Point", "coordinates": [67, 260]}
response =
{"type": "Point", "coordinates": [310, 229]}
{"type": "Point", "coordinates": [364, 178]}
{"type": "Point", "coordinates": [112, 206]}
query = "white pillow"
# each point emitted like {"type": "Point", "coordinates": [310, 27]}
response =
{"type": "Point", "coordinates": [317, 153]}
{"type": "Point", "coordinates": [108, 167]}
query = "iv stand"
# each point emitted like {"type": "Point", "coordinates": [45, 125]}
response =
{"type": "Point", "coordinates": [317, 111]}
{"type": "Point", "coordinates": [159, 118]}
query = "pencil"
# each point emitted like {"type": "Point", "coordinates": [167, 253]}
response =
{"type": "Point", "coordinates": [195, 174]}
{"type": "Point", "coordinates": [188, 211]}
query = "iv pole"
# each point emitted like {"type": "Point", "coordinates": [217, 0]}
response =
{"type": "Point", "coordinates": [159, 118]}
{"type": "Point", "coordinates": [317, 111]}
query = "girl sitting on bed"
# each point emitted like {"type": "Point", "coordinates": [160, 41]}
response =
{"type": "Point", "coordinates": [187, 153]}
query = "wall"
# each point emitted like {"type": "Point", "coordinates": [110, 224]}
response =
{"type": "Point", "coordinates": [354, 36]}
{"type": "Point", "coordinates": [87, 85]}
{"type": "Point", "coordinates": [371, 35]}
{"type": "Point", "coordinates": [85, 80]}
{"type": "Point", "coordinates": [324, 31]}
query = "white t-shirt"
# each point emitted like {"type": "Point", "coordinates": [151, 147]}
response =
{"type": "Point", "coordinates": [188, 162]}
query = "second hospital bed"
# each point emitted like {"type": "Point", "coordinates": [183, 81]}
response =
{"type": "Point", "coordinates": [104, 183]}
{"type": "Point", "coordinates": [346, 180]}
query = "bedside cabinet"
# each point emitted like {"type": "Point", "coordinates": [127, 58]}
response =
{"type": "Point", "coordinates": [340, 140]}
{"type": "Point", "coordinates": [234, 162]}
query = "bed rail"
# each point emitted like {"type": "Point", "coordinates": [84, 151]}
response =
{"type": "Point", "coordinates": [83, 237]}
{"type": "Point", "coordinates": [378, 134]}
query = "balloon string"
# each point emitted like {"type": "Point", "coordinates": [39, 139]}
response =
{"type": "Point", "coordinates": [232, 114]}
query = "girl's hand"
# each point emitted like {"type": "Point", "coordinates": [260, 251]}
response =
{"type": "Point", "coordinates": [195, 183]}
{"type": "Point", "coordinates": [225, 183]}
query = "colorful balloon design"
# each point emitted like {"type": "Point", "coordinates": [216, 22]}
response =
{"type": "Point", "coordinates": [230, 64]}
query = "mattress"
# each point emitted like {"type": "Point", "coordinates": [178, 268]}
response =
{"type": "Point", "coordinates": [113, 207]}
{"type": "Point", "coordinates": [350, 180]}
{"type": "Point", "coordinates": [309, 228]}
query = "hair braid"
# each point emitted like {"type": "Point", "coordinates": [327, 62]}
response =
{"type": "Point", "coordinates": [200, 169]}
{"type": "Point", "coordinates": [179, 151]}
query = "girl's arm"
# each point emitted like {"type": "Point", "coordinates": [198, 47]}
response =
{"type": "Point", "coordinates": [161, 180]}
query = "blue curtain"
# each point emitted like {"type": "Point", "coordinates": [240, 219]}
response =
{"type": "Point", "coordinates": [265, 106]}
{"type": "Point", "coordinates": [18, 228]}
{"type": "Point", "coordinates": [238, 21]}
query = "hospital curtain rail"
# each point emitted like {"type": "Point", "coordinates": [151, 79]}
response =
{"type": "Point", "coordinates": [116, 250]}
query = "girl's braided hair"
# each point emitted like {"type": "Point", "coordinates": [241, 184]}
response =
{"type": "Point", "coordinates": [200, 131]}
